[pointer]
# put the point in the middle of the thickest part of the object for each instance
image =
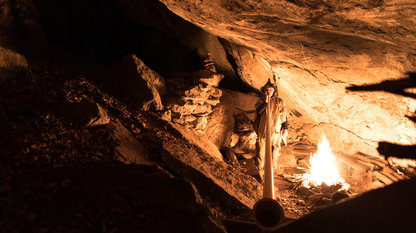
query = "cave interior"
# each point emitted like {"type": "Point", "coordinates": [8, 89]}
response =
{"type": "Point", "coordinates": [139, 116]}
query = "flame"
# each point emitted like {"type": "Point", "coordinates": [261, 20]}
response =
{"type": "Point", "coordinates": [323, 167]}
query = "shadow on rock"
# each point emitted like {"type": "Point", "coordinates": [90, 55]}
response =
{"type": "Point", "coordinates": [398, 87]}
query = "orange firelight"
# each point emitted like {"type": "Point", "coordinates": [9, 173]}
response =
{"type": "Point", "coordinates": [323, 167]}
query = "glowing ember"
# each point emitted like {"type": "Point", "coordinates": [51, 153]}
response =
{"type": "Point", "coordinates": [323, 167]}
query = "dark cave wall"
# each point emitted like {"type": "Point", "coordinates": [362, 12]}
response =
{"type": "Point", "coordinates": [314, 57]}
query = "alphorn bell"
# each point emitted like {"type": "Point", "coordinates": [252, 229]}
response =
{"type": "Point", "coordinates": [267, 211]}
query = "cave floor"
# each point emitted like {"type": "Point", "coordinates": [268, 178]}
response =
{"type": "Point", "coordinates": [34, 138]}
{"type": "Point", "coordinates": [285, 188]}
{"type": "Point", "coordinates": [297, 200]}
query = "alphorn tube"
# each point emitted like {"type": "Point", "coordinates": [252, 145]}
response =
{"type": "Point", "coordinates": [267, 211]}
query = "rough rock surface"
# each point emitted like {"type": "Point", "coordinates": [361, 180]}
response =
{"type": "Point", "coordinates": [189, 35]}
{"type": "Point", "coordinates": [56, 176]}
{"type": "Point", "coordinates": [104, 198]}
{"type": "Point", "coordinates": [240, 192]}
{"type": "Point", "coordinates": [11, 64]}
{"type": "Point", "coordinates": [221, 123]}
{"type": "Point", "coordinates": [19, 25]}
{"type": "Point", "coordinates": [133, 80]}
{"type": "Point", "coordinates": [200, 140]}
{"type": "Point", "coordinates": [251, 67]}
{"type": "Point", "coordinates": [193, 97]}
{"type": "Point", "coordinates": [377, 213]}
{"type": "Point", "coordinates": [84, 113]}
{"type": "Point", "coordinates": [128, 149]}
{"type": "Point", "coordinates": [319, 48]}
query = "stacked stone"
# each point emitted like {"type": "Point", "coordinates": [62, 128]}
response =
{"type": "Point", "coordinates": [243, 139]}
{"type": "Point", "coordinates": [195, 101]}
{"type": "Point", "coordinates": [193, 108]}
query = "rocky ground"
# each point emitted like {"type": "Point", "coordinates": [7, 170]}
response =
{"type": "Point", "coordinates": [62, 168]}
{"type": "Point", "coordinates": [56, 172]}
{"type": "Point", "coordinates": [77, 159]}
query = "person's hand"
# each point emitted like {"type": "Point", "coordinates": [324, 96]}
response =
{"type": "Point", "coordinates": [284, 136]}
{"type": "Point", "coordinates": [269, 93]}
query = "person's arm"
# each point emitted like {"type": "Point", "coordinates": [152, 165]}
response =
{"type": "Point", "coordinates": [261, 108]}
{"type": "Point", "coordinates": [285, 125]}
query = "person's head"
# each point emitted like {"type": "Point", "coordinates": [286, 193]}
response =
{"type": "Point", "coordinates": [269, 88]}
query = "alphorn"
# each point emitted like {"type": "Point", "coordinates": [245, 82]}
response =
{"type": "Point", "coordinates": [267, 211]}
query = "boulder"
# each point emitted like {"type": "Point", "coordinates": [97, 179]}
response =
{"type": "Point", "coordinates": [11, 64]}
{"type": "Point", "coordinates": [103, 197]}
{"type": "Point", "coordinates": [201, 123]}
{"type": "Point", "coordinates": [19, 26]}
{"type": "Point", "coordinates": [133, 80]}
{"type": "Point", "coordinates": [204, 109]}
{"type": "Point", "coordinates": [153, 14]}
{"type": "Point", "coordinates": [252, 67]}
{"type": "Point", "coordinates": [200, 140]}
{"type": "Point", "coordinates": [221, 123]}
{"type": "Point", "coordinates": [128, 149]}
{"type": "Point", "coordinates": [182, 107]}
{"type": "Point", "coordinates": [209, 75]}
{"type": "Point", "coordinates": [230, 187]}
{"type": "Point", "coordinates": [84, 113]}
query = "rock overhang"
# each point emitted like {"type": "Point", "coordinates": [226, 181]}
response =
{"type": "Point", "coordinates": [316, 50]}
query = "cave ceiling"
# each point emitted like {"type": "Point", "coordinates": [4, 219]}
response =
{"type": "Point", "coordinates": [317, 49]}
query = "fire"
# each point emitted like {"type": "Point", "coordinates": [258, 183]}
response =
{"type": "Point", "coordinates": [323, 167]}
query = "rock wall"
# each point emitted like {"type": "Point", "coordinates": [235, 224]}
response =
{"type": "Point", "coordinates": [19, 30]}
{"type": "Point", "coordinates": [317, 49]}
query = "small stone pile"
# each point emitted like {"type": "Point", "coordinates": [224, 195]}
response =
{"type": "Point", "coordinates": [194, 97]}
{"type": "Point", "coordinates": [243, 139]}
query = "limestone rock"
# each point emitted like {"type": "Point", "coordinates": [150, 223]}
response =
{"type": "Point", "coordinates": [166, 115]}
{"type": "Point", "coordinates": [202, 109]}
{"type": "Point", "coordinates": [199, 140]}
{"type": "Point", "coordinates": [186, 120]}
{"type": "Point", "coordinates": [134, 81]}
{"type": "Point", "coordinates": [186, 33]}
{"type": "Point", "coordinates": [84, 113]}
{"type": "Point", "coordinates": [237, 191]}
{"type": "Point", "coordinates": [128, 149]}
{"type": "Point", "coordinates": [196, 93]}
{"type": "Point", "coordinates": [230, 157]}
{"type": "Point", "coordinates": [234, 139]}
{"type": "Point", "coordinates": [193, 103]}
{"type": "Point", "coordinates": [243, 123]}
{"type": "Point", "coordinates": [317, 50]}
{"type": "Point", "coordinates": [213, 92]}
{"type": "Point", "coordinates": [221, 122]}
{"type": "Point", "coordinates": [182, 108]}
{"type": "Point", "coordinates": [246, 143]}
{"type": "Point", "coordinates": [125, 197]}
{"type": "Point", "coordinates": [213, 102]}
{"type": "Point", "coordinates": [201, 123]}
{"type": "Point", "coordinates": [209, 77]}
{"type": "Point", "coordinates": [252, 68]}
{"type": "Point", "coordinates": [11, 64]}
{"type": "Point", "coordinates": [19, 25]}
{"type": "Point", "coordinates": [244, 103]}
